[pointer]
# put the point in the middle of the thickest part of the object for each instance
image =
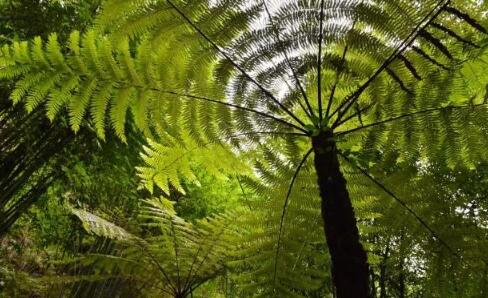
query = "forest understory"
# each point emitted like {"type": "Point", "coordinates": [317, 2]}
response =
{"type": "Point", "coordinates": [244, 148]}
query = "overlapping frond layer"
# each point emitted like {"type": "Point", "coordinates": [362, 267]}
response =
{"type": "Point", "coordinates": [398, 43]}
{"type": "Point", "coordinates": [108, 80]}
{"type": "Point", "coordinates": [169, 83]}
{"type": "Point", "coordinates": [445, 118]}
{"type": "Point", "coordinates": [434, 250]}
{"type": "Point", "coordinates": [97, 76]}
{"type": "Point", "coordinates": [282, 249]}
{"type": "Point", "coordinates": [392, 75]}
{"type": "Point", "coordinates": [221, 20]}
{"type": "Point", "coordinates": [175, 255]}
{"type": "Point", "coordinates": [172, 163]}
{"type": "Point", "coordinates": [192, 252]}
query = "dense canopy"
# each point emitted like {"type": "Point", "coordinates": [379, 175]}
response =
{"type": "Point", "coordinates": [231, 148]}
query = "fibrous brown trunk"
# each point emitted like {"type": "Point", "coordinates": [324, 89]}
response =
{"type": "Point", "coordinates": [349, 261]}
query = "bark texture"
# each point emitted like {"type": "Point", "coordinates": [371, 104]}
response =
{"type": "Point", "coordinates": [350, 269]}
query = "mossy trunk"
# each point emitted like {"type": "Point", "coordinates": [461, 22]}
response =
{"type": "Point", "coordinates": [349, 260]}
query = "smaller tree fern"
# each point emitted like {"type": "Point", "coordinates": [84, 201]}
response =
{"type": "Point", "coordinates": [170, 256]}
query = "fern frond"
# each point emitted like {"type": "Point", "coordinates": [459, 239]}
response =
{"type": "Point", "coordinates": [167, 165]}
{"type": "Point", "coordinates": [177, 255]}
{"type": "Point", "coordinates": [100, 227]}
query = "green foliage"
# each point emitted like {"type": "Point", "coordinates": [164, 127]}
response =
{"type": "Point", "coordinates": [414, 256]}
{"type": "Point", "coordinates": [91, 177]}
{"type": "Point", "coordinates": [27, 18]}
{"type": "Point", "coordinates": [174, 256]}
{"type": "Point", "coordinates": [281, 254]}
{"type": "Point", "coordinates": [392, 80]}
{"type": "Point", "coordinates": [170, 164]}
{"type": "Point", "coordinates": [30, 150]}
{"type": "Point", "coordinates": [20, 259]}
{"type": "Point", "coordinates": [109, 77]}
{"type": "Point", "coordinates": [211, 195]}
{"type": "Point", "coordinates": [100, 227]}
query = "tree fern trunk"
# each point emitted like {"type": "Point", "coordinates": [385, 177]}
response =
{"type": "Point", "coordinates": [349, 261]}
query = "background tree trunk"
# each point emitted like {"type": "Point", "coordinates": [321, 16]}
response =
{"type": "Point", "coordinates": [350, 269]}
{"type": "Point", "coordinates": [383, 276]}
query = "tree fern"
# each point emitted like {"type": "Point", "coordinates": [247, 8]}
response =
{"type": "Point", "coordinates": [336, 78]}
{"type": "Point", "coordinates": [176, 256]}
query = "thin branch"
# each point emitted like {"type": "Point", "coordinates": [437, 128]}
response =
{"type": "Point", "coordinates": [210, 277]}
{"type": "Point", "coordinates": [285, 206]}
{"type": "Point", "coordinates": [332, 92]}
{"type": "Point", "coordinates": [267, 133]}
{"type": "Point", "coordinates": [403, 204]}
{"type": "Point", "coordinates": [266, 92]}
{"type": "Point", "coordinates": [295, 75]}
{"type": "Point", "coordinates": [232, 106]}
{"type": "Point", "coordinates": [285, 81]}
{"type": "Point", "coordinates": [346, 132]}
{"type": "Point", "coordinates": [319, 62]}
{"type": "Point", "coordinates": [353, 97]}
